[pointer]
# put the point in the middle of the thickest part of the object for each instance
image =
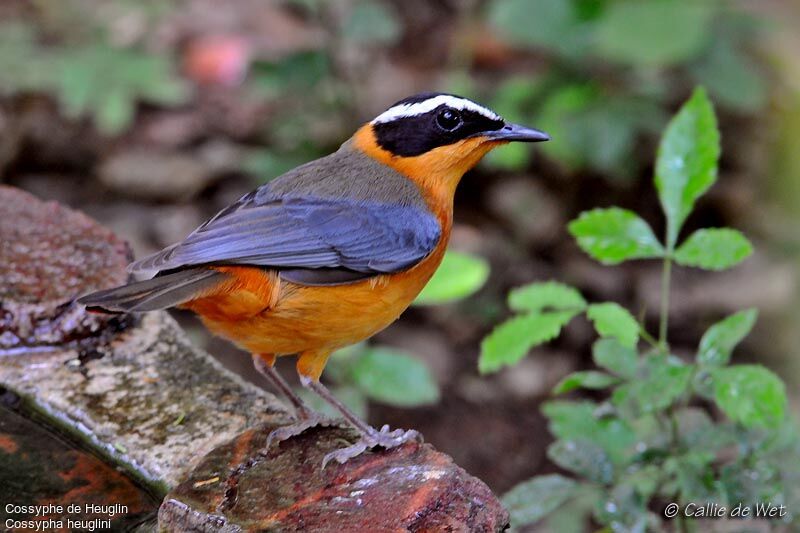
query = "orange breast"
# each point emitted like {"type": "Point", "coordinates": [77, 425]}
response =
{"type": "Point", "coordinates": [263, 314]}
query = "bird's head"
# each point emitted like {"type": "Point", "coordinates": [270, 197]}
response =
{"type": "Point", "coordinates": [437, 137]}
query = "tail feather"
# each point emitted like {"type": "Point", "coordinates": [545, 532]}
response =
{"type": "Point", "coordinates": [157, 293]}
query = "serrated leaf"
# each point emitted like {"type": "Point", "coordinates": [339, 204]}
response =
{"type": "Point", "coordinates": [714, 249]}
{"type": "Point", "coordinates": [615, 357]}
{"type": "Point", "coordinates": [511, 340]}
{"type": "Point", "coordinates": [579, 420]}
{"type": "Point", "coordinates": [587, 379]}
{"type": "Point", "coordinates": [460, 275]}
{"type": "Point", "coordinates": [686, 165]}
{"type": "Point", "coordinates": [613, 320]}
{"type": "Point", "coordinates": [614, 235]}
{"type": "Point", "coordinates": [644, 33]}
{"type": "Point", "coordinates": [532, 500]}
{"type": "Point", "coordinates": [719, 341]}
{"type": "Point", "coordinates": [394, 377]}
{"type": "Point", "coordinates": [584, 458]}
{"type": "Point", "coordinates": [548, 295]}
{"type": "Point", "coordinates": [750, 394]}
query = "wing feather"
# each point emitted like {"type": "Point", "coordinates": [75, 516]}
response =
{"type": "Point", "coordinates": [306, 232]}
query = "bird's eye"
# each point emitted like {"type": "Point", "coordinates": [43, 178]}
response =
{"type": "Point", "coordinates": [448, 119]}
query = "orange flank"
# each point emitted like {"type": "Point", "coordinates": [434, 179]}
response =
{"type": "Point", "coordinates": [263, 314]}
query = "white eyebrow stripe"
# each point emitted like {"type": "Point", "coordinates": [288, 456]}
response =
{"type": "Point", "coordinates": [419, 108]}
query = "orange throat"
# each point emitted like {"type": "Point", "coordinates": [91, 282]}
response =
{"type": "Point", "coordinates": [436, 172]}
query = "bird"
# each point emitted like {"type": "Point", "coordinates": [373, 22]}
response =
{"type": "Point", "coordinates": [329, 253]}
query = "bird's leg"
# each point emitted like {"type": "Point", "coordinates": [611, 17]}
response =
{"type": "Point", "coordinates": [370, 437]}
{"type": "Point", "coordinates": [306, 417]}
{"type": "Point", "coordinates": [264, 364]}
{"type": "Point", "coordinates": [309, 366]}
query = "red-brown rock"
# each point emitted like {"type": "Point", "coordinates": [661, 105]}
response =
{"type": "Point", "coordinates": [49, 255]}
{"type": "Point", "coordinates": [410, 488]}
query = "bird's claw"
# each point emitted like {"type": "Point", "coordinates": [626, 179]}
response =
{"type": "Point", "coordinates": [294, 429]}
{"type": "Point", "coordinates": [384, 438]}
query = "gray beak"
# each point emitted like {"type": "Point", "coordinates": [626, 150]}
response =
{"type": "Point", "coordinates": [517, 132]}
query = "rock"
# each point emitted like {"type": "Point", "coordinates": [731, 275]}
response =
{"type": "Point", "coordinates": [149, 174]}
{"type": "Point", "coordinates": [170, 415]}
{"type": "Point", "coordinates": [135, 388]}
{"type": "Point", "coordinates": [410, 488]}
{"type": "Point", "coordinates": [44, 464]}
{"type": "Point", "coordinates": [49, 255]}
{"type": "Point", "coordinates": [149, 398]}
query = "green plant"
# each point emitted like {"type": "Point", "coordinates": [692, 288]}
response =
{"type": "Point", "coordinates": [612, 68]}
{"type": "Point", "coordinates": [668, 429]}
{"type": "Point", "coordinates": [91, 79]}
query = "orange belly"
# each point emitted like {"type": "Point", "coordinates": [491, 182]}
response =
{"type": "Point", "coordinates": [263, 314]}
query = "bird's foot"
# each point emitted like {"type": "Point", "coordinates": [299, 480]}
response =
{"type": "Point", "coordinates": [384, 438]}
{"type": "Point", "coordinates": [305, 421]}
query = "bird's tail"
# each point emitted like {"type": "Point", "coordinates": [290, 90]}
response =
{"type": "Point", "coordinates": [160, 292]}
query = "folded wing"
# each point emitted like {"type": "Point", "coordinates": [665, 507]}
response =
{"type": "Point", "coordinates": [327, 234]}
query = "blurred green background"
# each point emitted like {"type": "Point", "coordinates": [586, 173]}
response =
{"type": "Point", "coordinates": [151, 115]}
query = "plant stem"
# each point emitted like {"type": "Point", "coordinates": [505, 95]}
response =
{"type": "Point", "coordinates": [643, 333]}
{"type": "Point", "coordinates": [666, 274]}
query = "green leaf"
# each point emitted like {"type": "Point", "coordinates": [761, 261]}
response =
{"type": "Point", "coordinates": [613, 320]}
{"type": "Point", "coordinates": [645, 33]}
{"type": "Point", "coordinates": [665, 383]}
{"type": "Point", "coordinates": [548, 295]}
{"type": "Point", "coordinates": [719, 341]}
{"type": "Point", "coordinates": [686, 165]}
{"type": "Point", "coordinates": [713, 249]}
{"type": "Point", "coordinates": [460, 275]}
{"type": "Point", "coordinates": [372, 23]}
{"type": "Point", "coordinates": [588, 379]}
{"type": "Point", "coordinates": [614, 235]}
{"type": "Point", "coordinates": [579, 420]}
{"type": "Point", "coordinates": [584, 458]}
{"type": "Point", "coordinates": [750, 394]}
{"type": "Point", "coordinates": [393, 377]}
{"type": "Point", "coordinates": [616, 358]}
{"type": "Point", "coordinates": [532, 500]}
{"type": "Point", "coordinates": [511, 340]}
{"type": "Point", "coordinates": [106, 82]}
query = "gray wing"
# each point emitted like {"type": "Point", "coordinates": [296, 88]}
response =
{"type": "Point", "coordinates": [306, 232]}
